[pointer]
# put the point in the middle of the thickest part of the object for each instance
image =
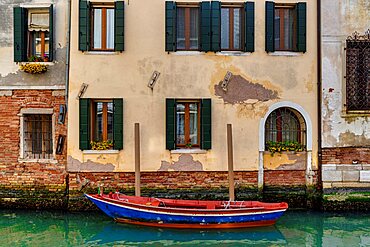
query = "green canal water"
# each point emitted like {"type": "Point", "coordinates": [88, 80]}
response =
{"type": "Point", "coordinates": [36, 228]}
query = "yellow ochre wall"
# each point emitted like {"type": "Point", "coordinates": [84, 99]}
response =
{"type": "Point", "coordinates": [186, 75]}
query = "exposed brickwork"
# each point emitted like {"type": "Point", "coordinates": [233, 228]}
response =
{"type": "Point", "coordinates": [281, 178]}
{"type": "Point", "coordinates": [346, 155]}
{"type": "Point", "coordinates": [17, 175]}
{"type": "Point", "coordinates": [161, 180]}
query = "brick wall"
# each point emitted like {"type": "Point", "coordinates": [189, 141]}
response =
{"type": "Point", "coordinates": [16, 175]}
{"type": "Point", "coordinates": [346, 155]}
{"type": "Point", "coordinates": [284, 178]}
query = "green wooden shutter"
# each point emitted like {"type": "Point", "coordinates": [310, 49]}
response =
{"type": "Point", "coordinates": [20, 34]}
{"type": "Point", "coordinates": [249, 27]}
{"type": "Point", "coordinates": [170, 124]}
{"type": "Point", "coordinates": [84, 26]}
{"type": "Point", "coordinates": [51, 32]}
{"type": "Point", "coordinates": [301, 26]}
{"type": "Point", "coordinates": [118, 124]}
{"type": "Point", "coordinates": [170, 26]}
{"type": "Point", "coordinates": [84, 124]}
{"type": "Point", "coordinates": [205, 26]}
{"type": "Point", "coordinates": [215, 26]}
{"type": "Point", "coordinates": [206, 124]}
{"type": "Point", "coordinates": [119, 25]}
{"type": "Point", "coordinates": [269, 27]}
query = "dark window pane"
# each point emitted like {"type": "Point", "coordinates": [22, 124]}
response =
{"type": "Point", "coordinates": [181, 28]}
{"type": "Point", "coordinates": [110, 120]}
{"type": "Point", "coordinates": [225, 28]}
{"type": "Point", "coordinates": [194, 28]}
{"type": "Point", "coordinates": [237, 29]}
{"type": "Point", "coordinates": [180, 124]}
{"type": "Point", "coordinates": [277, 29]}
{"type": "Point", "coordinates": [193, 112]}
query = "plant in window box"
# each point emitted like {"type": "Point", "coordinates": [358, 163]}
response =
{"type": "Point", "coordinates": [33, 68]}
{"type": "Point", "coordinates": [188, 145]}
{"type": "Point", "coordinates": [101, 145]}
{"type": "Point", "coordinates": [279, 147]}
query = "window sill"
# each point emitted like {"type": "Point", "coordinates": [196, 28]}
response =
{"type": "Point", "coordinates": [233, 53]}
{"type": "Point", "coordinates": [49, 161]}
{"type": "Point", "coordinates": [101, 52]}
{"type": "Point", "coordinates": [187, 53]}
{"type": "Point", "coordinates": [188, 151]}
{"type": "Point", "coordinates": [100, 151]}
{"type": "Point", "coordinates": [45, 63]}
{"type": "Point", "coordinates": [286, 53]}
{"type": "Point", "coordinates": [351, 114]}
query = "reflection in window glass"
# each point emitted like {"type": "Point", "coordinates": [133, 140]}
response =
{"type": "Point", "coordinates": [180, 124]}
{"type": "Point", "coordinates": [97, 28]}
{"type": "Point", "coordinates": [225, 28]}
{"type": "Point", "coordinates": [180, 28]}
{"type": "Point", "coordinates": [193, 112]}
{"type": "Point", "coordinates": [110, 28]}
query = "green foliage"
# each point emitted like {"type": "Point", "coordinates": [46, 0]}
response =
{"type": "Point", "coordinates": [279, 147]}
{"type": "Point", "coordinates": [103, 145]}
{"type": "Point", "coordinates": [38, 59]}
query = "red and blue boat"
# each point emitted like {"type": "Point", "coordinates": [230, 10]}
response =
{"type": "Point", "coordinates": [172, 213]}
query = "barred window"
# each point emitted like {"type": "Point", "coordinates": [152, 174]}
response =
{"type": "Point", "coordinates": [38, 139]}
{"type": "Point", "coordinates": [358, 72]}
{"type": "Point", "coordinates": [285, 125]}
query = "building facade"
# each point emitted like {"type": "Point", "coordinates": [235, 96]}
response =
{"type": "Point", "coordinates": [183, 71]}
{"type": "Point", "coordinates": [345, 95]}
{"type": "Point", "coordinates": [32, 94]}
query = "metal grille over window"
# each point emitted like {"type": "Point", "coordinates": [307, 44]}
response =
{"type": "Point", "coordinates": [358, 72]}
{"type": "Point", "coordinates": [285, 125]}
{"type": "Point", "coordinates": [38, 139]}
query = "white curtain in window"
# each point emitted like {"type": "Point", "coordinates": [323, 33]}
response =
{"type": "Point", "coordinates": [110, 28]}
{"type": "Point", "coordinates": [181, 28]}
{"type": "Point", "coordinates": [194, 28]}
{"type": "Point", "coordinates": [97, 28]}
{"type": "Point", "coordinates": [225, 31]}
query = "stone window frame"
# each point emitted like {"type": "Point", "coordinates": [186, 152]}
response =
{"type": "Point", "coordinates": [22, 113]}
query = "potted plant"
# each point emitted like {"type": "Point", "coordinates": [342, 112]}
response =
{"type": "Point", "coordinates": [101, 145]}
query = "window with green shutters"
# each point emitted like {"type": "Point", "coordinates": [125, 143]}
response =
{"type": "Point", "coordinates": [101, 26]}
{"type": "Point", "coordinates": [33, 34]}
{"type": "Point", "coordinates": [201, 26]}
{"type": "Point", "coordinates": [188, 124]}
{"type": "Point", "coordinates": [101, 124]}
{"type": "Point", "coordinates": [285, 27]}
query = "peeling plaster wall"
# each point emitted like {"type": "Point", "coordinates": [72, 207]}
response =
{"type": "Point", "coordinates": [264, 79]}
{"type": "Point", "coordinates": [10, 75]}
{"type": "Point", "coordinates": [339, 20]}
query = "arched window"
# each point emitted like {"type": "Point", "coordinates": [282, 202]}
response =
{"type": "Point", "coordinates": [285, 125]}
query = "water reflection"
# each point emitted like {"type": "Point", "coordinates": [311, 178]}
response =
{"type": "Point", "coordinates": [26, 228]}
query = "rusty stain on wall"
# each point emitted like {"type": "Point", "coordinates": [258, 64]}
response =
{"type": "Point", "coordinates": [285, 161]}
{"type": "Point", "coordinates": [186, 162]}
{"type": "Point", "coordinates": [240, 90]}
{"type": "Point", "coordinates": [74, 165]}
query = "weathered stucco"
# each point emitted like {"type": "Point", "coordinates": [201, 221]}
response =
{"type": "Point", "coordinates": [341, 19]}
{"type": "Point", "coordinates": [262, 80]}
{"type": "Point", "coordinates": [186, 162]}
{"type": "Point", "coordinates": [73, 165]}
{"type": "Point", "coordinates": [285, 161]}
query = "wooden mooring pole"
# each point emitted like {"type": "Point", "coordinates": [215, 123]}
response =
{"type": "Point", "coordinates": [137, 159]}
{"type": "Point", "coordinates": [230, 162]}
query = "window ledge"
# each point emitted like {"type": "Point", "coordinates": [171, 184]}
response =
{"type": "Point", "coordinates": [187, 53]}
{"type": "Point", "coordinates": [286, 53]}
{"type": "Point", "coordinates": [49, 161]}
{"type": "Point", "coordinates": [100, 151]}
{"type": "Point", "coordinates": [233, 53]}
{"type": "Point", "coordinates": [45, 63]}
{"type": "Point", "coordinates": [188, 151]}
{"type": "Point", "coordinates": [101, 52]}
{"type": "Point", "coordinates": [351, 114]}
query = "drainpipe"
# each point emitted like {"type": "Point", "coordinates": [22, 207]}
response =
{"type": "Point", "coordinates": [319, 93]}
{"type": "Point", "coordinates": [68, 51]}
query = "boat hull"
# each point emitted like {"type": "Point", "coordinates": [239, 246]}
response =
{"type": "Point", "coordinates": [150, 216]}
